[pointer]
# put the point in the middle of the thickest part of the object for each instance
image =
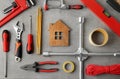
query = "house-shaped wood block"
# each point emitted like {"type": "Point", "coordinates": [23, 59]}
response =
{"type": "Point", "coordinates": [59, 34]}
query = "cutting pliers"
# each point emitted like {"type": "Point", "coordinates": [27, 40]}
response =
{"type": "Point", "coordinates": [36, 67]}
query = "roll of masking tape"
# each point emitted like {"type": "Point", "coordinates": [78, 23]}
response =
{"type": "Point", "coordinates": [65, 66]}
{"type": "Point", "coordinates": [104, 34]}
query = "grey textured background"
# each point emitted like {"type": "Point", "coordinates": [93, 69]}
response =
{"type": "Point", "coordinates": [70, 17]}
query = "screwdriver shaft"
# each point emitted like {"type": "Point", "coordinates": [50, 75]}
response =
{"type": "Point", "coordinates": [6, 64]}
{"type": "Point", "coordinates": [30, 39]}
{"type": "Point", "coordinates": [30, 24]}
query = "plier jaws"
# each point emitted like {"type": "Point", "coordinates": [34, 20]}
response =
{"type": "Point", "coordinates": [36, 67]}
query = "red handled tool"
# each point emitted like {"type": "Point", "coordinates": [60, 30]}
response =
{"type": "Point", "coordinates": [6, 46]}
{"type": "Point", "coordinates": [61, 6]}
{"type": "Point", "coordinates": [36, 67]}
{"type": "Point", "coordinates": [16, 8]}
{"type": "Point", "coordinates": [96, 8]}
{"type": "Point", "coordinates": [29, 47]}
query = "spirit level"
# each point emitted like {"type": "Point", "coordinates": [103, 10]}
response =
{"type": "Point", "coordinates": [96, 8]}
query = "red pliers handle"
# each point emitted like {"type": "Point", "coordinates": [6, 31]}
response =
{"type": "Point", "coordinates": [48, 70]}
{"type": "Point", "coordinates": [48, 62]}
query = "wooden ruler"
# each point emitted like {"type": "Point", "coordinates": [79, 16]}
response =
{"type": "Point", "coordinates": [39, 32]}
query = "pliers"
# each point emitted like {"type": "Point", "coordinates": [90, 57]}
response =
{"type": "Point", "coordinates": [36, 66]}
{"type": "Point", "coordinates": [18, 48]}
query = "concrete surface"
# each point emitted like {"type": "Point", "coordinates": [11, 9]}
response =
{"type": "Point", "coordinates": [70, 17]}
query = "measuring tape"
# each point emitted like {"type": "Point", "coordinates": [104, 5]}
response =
{"type": "Point", "coordinates": [68, 70]}
{"type": "Point", "coordinates": [103, 32]}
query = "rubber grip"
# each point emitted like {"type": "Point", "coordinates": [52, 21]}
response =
{"type": "Point", "coordinates": [18, 49]}
{"type": "Point", "coordinates": [48, 70]}
{"type": "Point", "coordinates": [6, 40]}
{"type": "Point", "coordinates": [77, 7]}
{"type": "Point", "coordinates": [30, 44]}
{"type": "Point", "coordinates": [48, 62]}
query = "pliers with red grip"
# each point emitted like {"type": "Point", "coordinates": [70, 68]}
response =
{"type": "Point", "coordinates": [36, 67]}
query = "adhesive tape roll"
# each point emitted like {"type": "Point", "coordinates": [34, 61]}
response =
{"type": "Point", "coordinates": [103, 32]}
{"type": "Point", "coordinates": [68, 70]}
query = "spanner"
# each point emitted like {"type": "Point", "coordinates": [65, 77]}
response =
{"type": "Point", "coordinates": [18, 48]}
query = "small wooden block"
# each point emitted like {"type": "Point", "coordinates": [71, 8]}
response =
{"type": "Point", "coordinates": [59, 34]}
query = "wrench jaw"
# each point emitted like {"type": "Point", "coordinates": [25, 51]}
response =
{"type": "Point", "coordinates": [30, 3]}
{"type": "Point", "coordinates": [18, 29]}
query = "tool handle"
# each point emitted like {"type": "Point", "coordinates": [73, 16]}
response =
{"type": "Point", "coordinates": [18, 51]}
{"type": "Point", "coordinates": [45, 7]}
{"type": "Point", "coordinates": [6, 40]}
{"type": "Point", "coordinates": [77, 6]}
{"type": "Point", "coordinates": [48, 62]}
{"type": "Point", "coordinates": [29, 47]}
{"type": "Point", "coordinates": [8, 9]}
{"type": "Point", "coordinates": [48, 70]}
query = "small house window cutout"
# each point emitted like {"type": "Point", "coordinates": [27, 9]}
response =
{"type": "Point", "coordinates": [58, 34]}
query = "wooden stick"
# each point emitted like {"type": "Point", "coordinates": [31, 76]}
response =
{"type": "Point", "coordinates": [39, 32]}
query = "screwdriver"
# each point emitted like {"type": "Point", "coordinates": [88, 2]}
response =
{"type": "Point", "coordinates": [29, 47]}
{"type": "Point", "coordinates": [6, 43]}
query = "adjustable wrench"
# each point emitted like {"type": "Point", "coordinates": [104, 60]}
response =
{"type": "Point", "coordinates": [62, 6]}
{"type": "Point", "coordinates": [16, 8]}
{"type": "Point", "coordinates": [18, 48]}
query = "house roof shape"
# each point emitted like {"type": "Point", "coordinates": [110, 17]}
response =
{"type": "Point", "coordinates": [59, 25]}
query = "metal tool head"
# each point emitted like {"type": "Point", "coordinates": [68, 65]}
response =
{"type": "Point", "coordinates": [61, 6]}
{"type": "Point", "coordinates": [30, 3]}
{"type": "Point", "coordinates": [18, 29]}
{"type": "Point", "coordinates": [29, 67]}
{"type": "Point", "coordinates": [81, 19]}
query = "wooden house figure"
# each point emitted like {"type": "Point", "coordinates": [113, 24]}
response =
{"type": "Point", "coordinates": [59, 34]}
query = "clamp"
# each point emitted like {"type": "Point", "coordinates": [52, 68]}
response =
{"type": "Point", "coordinates": [16, 8]}
{"type": "Point", "coordinates": [18, 49]}
{"type": "Point", "coordinates": [62, 6]}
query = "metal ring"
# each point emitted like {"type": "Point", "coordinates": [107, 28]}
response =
{"type": "Point", "coordinates": [103, 32]}
{"type": "Point", "coordinates": [17, 59]}
{"type": "Point", "coordinates": [72, 66]}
